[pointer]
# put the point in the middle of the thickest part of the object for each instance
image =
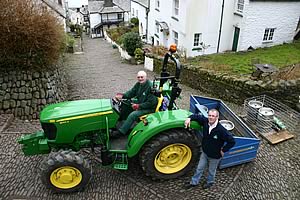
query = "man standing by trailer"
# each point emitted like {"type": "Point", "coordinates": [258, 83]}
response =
{"type": "Point", "coordinates": [213, 148]}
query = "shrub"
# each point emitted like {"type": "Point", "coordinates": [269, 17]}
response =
{"type": "Point", "coordinates": [131, 41]}
{"type": "Point", "coordinates": [70, 40]}
{"type": "Point", "coordinates": [30, 36]}
{"type": "Point", "coordinates": [134, 21]}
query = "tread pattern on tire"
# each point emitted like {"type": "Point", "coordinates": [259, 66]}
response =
{"type": "Point", "coordinates": [161, 140]}
{"type": "Point", "coordinates": [65, 158]}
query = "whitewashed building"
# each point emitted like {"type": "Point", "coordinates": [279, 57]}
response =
{"type": "Point", "coordinates": [211, 26]}
{"type": "Point", "coordinates": [58, 9]}
{"type": "Point", "coordinates": [140, 10]}
{"type": "Point", "coordinates": [106, 13]}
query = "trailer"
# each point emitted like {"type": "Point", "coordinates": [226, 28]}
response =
{"type": "Point", "coordinates": [247, 143]}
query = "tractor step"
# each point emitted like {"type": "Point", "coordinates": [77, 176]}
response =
{"type": "Point", "coordinates": [121, 161]}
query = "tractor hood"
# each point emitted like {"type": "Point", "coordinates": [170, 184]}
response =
{"type": "Point", "coordinates": [74, 108]}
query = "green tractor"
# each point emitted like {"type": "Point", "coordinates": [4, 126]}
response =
{"type": "Point", "coordinates": [165, 149]}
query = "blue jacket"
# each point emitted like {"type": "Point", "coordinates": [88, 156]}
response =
{"type": "Point", "coordinates": [213, 143]}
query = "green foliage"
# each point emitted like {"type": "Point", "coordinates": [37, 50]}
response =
{"type": "Point", "coordinates": [30, 36]}
{"type": "Point", "coordinates": [70, 40]}
{"type": "Point", "coordinates": [280, 56]}
{"type": "Point", "coordinates": [116, 33]}
{"type": "Point", "coordinates": [135, 29]}
{"type": "Point", "coordinates": [131, 42]}
{"type": "Point", "coordinates": [134, 21]}
{"type": "Point", "coordinates": [139, 55]}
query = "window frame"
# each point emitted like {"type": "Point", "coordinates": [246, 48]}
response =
{"type": "Point", "coordinates": [175, 37]}
{"type": "Point", "coordinates": [157, 4]}
{"type": "Point", "coordinates": [175, 8]}
{"type": "Point", "coordinates": [268, 34]}
{"type": "Point", "coordinates": [197, 40]}
{"type": "Point", "coordinates": [240, 5]}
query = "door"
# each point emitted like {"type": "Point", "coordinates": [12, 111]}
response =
{"type": "Point", "coordinates": [235, 38]}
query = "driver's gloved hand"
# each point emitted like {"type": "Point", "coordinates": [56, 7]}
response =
{"type": "Point", "coordinates": [119, 96]}
{"type": "Point", "coordinates": [135, 106]}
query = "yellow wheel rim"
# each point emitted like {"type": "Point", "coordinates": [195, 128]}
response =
{"type": "Point", "coordinates": [66, 177]}
{"type": "Point", "coordinates": [173, 158]}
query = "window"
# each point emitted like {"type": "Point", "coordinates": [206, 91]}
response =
{"type": "Point", "coordinates": [157, 26]}
{"type": "Point", "coordinates": [120, 16]}
{"type": "Point", "coordinates": [197, 39]}
{"type": "Point", "coordinates": [175, 37]}
{"type": "Point", "coordinates": [132, 12]}
{"type": "Point", "coordinates": [137, 13]}
{"type": "Point", "coordinates": [157, 4]}
{"type": "Point", "coordinates": [240, 6]}
{"type": "Point", "coordinates": [59, 2]}
{"type": "Point", "coordinates": [268, 35]}
{"type": "Point", "coordinates": [176, 7]}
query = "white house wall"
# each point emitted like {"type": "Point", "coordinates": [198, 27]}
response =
{"type": "Point", "coordinates": [203, 17]}
{"type": "Point", "coordinates": [283, 16]}
{"type": "Point", "coordinates": [165, 14]}
{"type": "Point", "coordinates": [141, 16]}
{"type": "Point", "coordinates": [95, 19]}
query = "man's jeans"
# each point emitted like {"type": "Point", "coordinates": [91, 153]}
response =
{"type": "Point", "coordinates": [212, 168]}
{"type": "Point", "coordinates": [132, 117]}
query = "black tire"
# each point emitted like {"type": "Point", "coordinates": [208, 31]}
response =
{"type": "Point", "coordinates": [65, 171]}
{"type": "Point", "coordinates": [170, 154]}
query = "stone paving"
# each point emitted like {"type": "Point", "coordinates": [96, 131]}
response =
{"type": "Point", "coordinates": [99, 73]}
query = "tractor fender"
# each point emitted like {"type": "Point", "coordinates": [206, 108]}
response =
{"type": "Point", "coordinates": [154, 124]}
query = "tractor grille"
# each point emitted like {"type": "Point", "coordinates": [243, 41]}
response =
{"type": "Point", "coordinates": [49, 130]}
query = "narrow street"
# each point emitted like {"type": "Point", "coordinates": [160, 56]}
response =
{"type": "Point", "coordinates": [99, 72]}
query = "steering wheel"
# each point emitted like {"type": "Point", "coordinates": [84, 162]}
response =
{"type": "Point", "coordinates": [117, 103]}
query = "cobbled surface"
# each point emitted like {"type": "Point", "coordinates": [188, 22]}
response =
{"type": "Point", "coordinates": [100, 73]}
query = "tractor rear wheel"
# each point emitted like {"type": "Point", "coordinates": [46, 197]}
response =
{"type": "Point", "coordinates": [65, 171]}
{"type": "Point", "coordinates": [170, 154]}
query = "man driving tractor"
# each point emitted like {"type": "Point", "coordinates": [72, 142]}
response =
{"type": "Point", "coordinates": [145, 102]}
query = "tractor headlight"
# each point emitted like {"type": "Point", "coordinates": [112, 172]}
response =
{"type": "Point", "coordinates": [49, 130]}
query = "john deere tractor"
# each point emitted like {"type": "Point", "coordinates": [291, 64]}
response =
{"type": "Point", "coordinates": [165, 149]}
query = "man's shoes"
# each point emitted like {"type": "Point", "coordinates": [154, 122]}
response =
{"type": "Point", "coordinates": [207, 185]}
{"type": "Point", "coordinates": [189, 186]}
{"type": "Point", "coordinates": [115, 134]}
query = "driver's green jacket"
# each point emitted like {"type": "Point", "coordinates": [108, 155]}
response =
{"type": "Point", "coordinates": [144, 96]}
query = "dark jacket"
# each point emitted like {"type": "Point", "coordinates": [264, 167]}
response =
{"type": "Point", "coordinates": [144, 96]}
{"type": "Point", "coordinates": [213, 143]}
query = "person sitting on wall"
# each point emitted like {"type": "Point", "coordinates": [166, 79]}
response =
{"type": "Point", "coordinates": [145, 102]}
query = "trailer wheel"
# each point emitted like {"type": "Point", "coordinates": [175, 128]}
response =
{"type": "Point", "coordinates": [65, 171]}
{"type": "Point", "coordinates": [170, 154]}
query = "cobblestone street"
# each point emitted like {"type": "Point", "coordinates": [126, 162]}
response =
{"type": "Point", "coordinates": [99, 72]}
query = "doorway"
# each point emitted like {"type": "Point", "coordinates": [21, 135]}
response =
{"type": "Point", "coordinates": [235, 38]}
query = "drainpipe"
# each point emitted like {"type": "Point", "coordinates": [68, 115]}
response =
{"type": "Point", "coordinates": [220, 29]}
{"type": "Point", "coordinates": [147, 19]}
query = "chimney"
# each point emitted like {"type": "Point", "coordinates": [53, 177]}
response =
{"type": "Point", "coordinates": [108, 3]}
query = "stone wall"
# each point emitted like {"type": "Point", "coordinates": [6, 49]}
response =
{"type": "Point", "coordinates": [236, 88]}
{"type": "Point", "coordinates": [24, 93]}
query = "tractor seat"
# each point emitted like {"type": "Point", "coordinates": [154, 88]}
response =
{"type": "Point", "coordinates": [157, 109]}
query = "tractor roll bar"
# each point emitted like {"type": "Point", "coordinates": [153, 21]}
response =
{"type": "Point", "coordinates": [166, 74]}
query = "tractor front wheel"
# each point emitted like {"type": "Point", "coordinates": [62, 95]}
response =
{"type": "Point", "coordinates": [65, 171]}
{"type": "Point", "coordinates": [170, 154]}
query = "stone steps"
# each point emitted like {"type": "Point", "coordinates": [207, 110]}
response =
{"type": "Point", "coordinates": [5, 121]}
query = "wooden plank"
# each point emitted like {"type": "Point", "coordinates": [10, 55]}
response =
{"type": "Point", "coordinates": [277, 137]}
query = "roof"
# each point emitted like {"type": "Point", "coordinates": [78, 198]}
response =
{"type": "Point", "coordinates": [113, 9]}
{"type": "Point", "coordinates": [119, 6]}
{"type": "Point", "coordinates": [144, 3]}
{"type": "Point", "coordinates": [95, 6]}
{"type": "Point", "coordinates": [123, 4]}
